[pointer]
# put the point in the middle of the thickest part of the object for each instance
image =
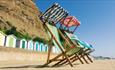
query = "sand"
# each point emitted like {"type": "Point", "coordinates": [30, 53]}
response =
{"type": "Point", "coordinates": [33, 65]}
{"type": "Point", "coordinates": [18, 59]}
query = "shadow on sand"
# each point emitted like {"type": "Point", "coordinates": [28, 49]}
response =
{"type": "Point", "coordinates": [32, 66]}
{"type": "Point", "coordinates": [26, 66]}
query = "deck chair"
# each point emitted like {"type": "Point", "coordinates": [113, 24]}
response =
{"type": "Point", "coordinates": [72, 55]}
{"type": "Point", "coordinates": [85, 52]}
{"type": "Point", "coordinates": [86, 47]}
{"type": "Point", "coordinates": [75, 55]}
{"type": "Point", "coordinates": [64, 52]}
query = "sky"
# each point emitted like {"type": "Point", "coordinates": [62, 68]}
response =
{"type": "Point", "coordinates": [97, 19]}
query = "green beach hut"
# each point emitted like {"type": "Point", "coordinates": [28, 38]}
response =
{"type": "Point", "coordinates": [11, 41]}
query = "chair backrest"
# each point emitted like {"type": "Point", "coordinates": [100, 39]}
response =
{"type": "Point", "coordinates": [57, 35]}
{"type": "Point", "coordinates": [72, 38]}
{"type": "Point", "coordinates": [54, 31]}
{"type": "Point", "coordinates": [70, 21]}
{"type": "Point", "coordinates": [85, 45]}
{"type": "Point", "coordinates": [70, 24]}
{"type": "Point", "coordinates": [77, 40]}
{"type": "Point", "coordinates": [54, 14]}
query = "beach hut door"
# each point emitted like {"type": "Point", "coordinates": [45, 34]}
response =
{"type": "Point", "coordinates": [11, 42]}
{"type": "Point", "coordinates": [36, 47]}
{"type": "Point", "coordinates": [23, 44]}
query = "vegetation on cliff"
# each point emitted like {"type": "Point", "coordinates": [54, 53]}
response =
{"type": "Point", "coordinates": [21, 18]}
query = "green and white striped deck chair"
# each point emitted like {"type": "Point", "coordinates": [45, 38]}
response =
{"type": "Point", "coordinates": [87, 48]}
{"type": "Point", "coordinates": [71, 38]}
{"type": "Point", "coordinates": [65, 52]}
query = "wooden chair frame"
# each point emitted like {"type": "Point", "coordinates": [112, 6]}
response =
{"type": "Point", "coordinates": [63, 54]}
{"type": "Point", "coordinates": [65, 57]}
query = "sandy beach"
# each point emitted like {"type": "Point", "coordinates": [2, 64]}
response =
{"type": "Point", "coordinates": [20, 59]}
{"type": "Point", "coordinates": [33, 65]}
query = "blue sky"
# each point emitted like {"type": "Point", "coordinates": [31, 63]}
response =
{"type": "Point", "coordinates": [97, 19]}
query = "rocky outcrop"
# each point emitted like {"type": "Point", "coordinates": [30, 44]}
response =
{"type": "Point", "coordinates": [23, 15]}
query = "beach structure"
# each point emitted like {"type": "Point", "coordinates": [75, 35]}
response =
{"type": "Point", "coordinates": [21, 43]}
{"type": "Point", "coordinates": [41, 47]}
{"type": "Point", "coordinates": [11, 41]}
{"type": "Point", "coordinates": [45, 48]}
{"type": "Point", "coordinates": [2, 39]}
{"type": "Point", "coordinates": [18, 43]}
{"type": "Point", "coordinates": [36, 46]}
{"type": "Point", "coordinates": [30, 45]}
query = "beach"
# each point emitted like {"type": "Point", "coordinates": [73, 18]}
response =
{"type": "Point", "coordinates": [32, 65]}
{"type": "Point", "coordinates": [21, 59]}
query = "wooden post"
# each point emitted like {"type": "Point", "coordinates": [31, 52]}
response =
{"type": "Point", "coordinates": [49, 52]}
{"type": "Point", "coordinates": [89, 58]}
{"type": "Point", "coordinates": [79, 58]}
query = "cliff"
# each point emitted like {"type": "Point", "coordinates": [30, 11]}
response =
{"type": "Point", "coordinates": [24, 16]}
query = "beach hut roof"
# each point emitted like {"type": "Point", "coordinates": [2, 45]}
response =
{"type": "Point", "coordinates": [30, 40]}
{"type": "Point", "coordinates": [21, 39]}
{"type": "Point", "coordinates": [36, 41]}
{"type": "Point", "coordinates": [12, 36]}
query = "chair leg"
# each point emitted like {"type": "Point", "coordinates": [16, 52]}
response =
{"type": "Point", "coordinates": [82, 56]}
{"type": "Point", "coordinates": [49, 52]}
{"type": "Point", "coordinates": [49, 61]}
{"type": "Point", "coordinates": [64, 61]}
{"type": "Point", "coordinates": [75, 58]}
{"type": "Point", "coordinates": [68, 60]}
{"type": "Point", "coordinates": [59, 62]}
{"type": "Point", "coordinates": [79, 59]}
{"type": "Point", "coordinates": [84, 59]}
{"type": "Point", "coordinates": [89, 58]}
